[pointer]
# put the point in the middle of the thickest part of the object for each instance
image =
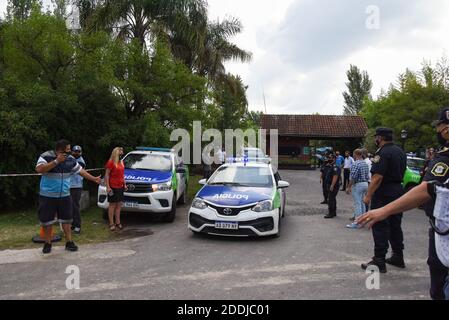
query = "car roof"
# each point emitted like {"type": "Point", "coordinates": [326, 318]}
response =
{"type": "Point", "coordinates": [159, 153]}
{"type": "Point", "coordinates": [248, 164]}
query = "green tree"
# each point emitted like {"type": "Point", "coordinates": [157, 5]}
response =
{"type": "Point", "coordinates": [359, 88]}
{"type": "Point", "coordinates": [21, 9]}
{"type": "Point", "coordinates": [411, 105]}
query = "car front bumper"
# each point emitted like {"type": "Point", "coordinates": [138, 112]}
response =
{"type": "Point", "coordinates": [155, 202]}
{"type": "Point", "coordinates": [250, 223]}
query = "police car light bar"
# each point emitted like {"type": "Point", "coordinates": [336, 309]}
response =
{"type": "Point", "coordinates": [245, 160]}
{"type": "Point", "coordinates": [154, 149]}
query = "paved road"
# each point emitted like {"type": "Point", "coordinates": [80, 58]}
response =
{"type": "Point", "coordinates": [313, 259]}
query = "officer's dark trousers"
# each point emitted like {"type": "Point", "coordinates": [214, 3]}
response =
{"type": "Point", "coordinates": [332, 200]}
{"type": "Point", "coordinates": [76, 197]}
{"type": "Point", "coordinates": [326, 192]}
{"type": "Point", "coordinates": [438, 272]}
{"type": "Point", "coordinates": [388, 231]}
{"type": "Point", "coordinates": [346, 176]}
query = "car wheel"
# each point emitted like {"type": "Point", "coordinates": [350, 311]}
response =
{"type": "Point", "coordinates": [170, 216]}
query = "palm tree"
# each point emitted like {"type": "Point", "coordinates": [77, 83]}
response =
{"type": "Point", "coordinates": [145, 19]}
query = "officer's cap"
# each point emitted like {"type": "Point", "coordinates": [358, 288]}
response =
{"type": "Point", "coordinates": [77, 149]}
{"type": "Point", "coordinates": [443, 118]}
{"type": "Point", "coordinates": [384, 132]}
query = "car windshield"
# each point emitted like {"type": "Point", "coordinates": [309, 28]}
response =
{"type": "Point", "coordinates": [243, 176]}
{"type": "Point", "coordinates": [149, 162]}
{"type": "Point", "coordinates": [254, 153]}
{"type": "Point", "coordinates": [415, 163]}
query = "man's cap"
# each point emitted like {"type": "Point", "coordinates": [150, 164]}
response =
{"type": "Point", "coordinates": [443, 118]}
{"type": "Point", "coordinates": [77, 148]}
{"type": "Point", "coordinates": [384, 132]}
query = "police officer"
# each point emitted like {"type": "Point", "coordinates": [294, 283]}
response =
{"type": "Point", "coordinates": [76, 190]}
{"type": "Point", "coordinates": [389, 165]}
{"type": "Point", "coordinates": [439, 172]}
{"type": "Point", "coordinates": [333, 182]}
{"type": "Point", "coordinates": [325, 170]}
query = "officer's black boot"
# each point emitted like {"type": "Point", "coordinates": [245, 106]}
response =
{"type": "Point", "coordinates": [396, 260]}
{"type": "Point", "coordinates": [378, 262]}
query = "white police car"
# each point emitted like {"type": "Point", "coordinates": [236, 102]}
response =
{"type": "Point", "coordinates": [156, 180]}
{"type": "Point", "coordinates": [240, 199]}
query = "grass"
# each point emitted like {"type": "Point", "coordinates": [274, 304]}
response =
{"type": "Point", "coordinates": [194, 186]}
{"type": "Point", "coordinates": [17, 228]}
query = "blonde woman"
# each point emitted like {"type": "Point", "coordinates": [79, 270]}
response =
{"type": "Point", "coordinates": [115, 184]}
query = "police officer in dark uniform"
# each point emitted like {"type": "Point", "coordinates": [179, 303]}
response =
{"type": "Point", "coordinates": [325, 169]}
{"type": "Point", "coordinates": [388, 169]}
{"type": "Point", "coordinates": [333, 182]}
{"type": "Point", "coordinates": [423, 194]}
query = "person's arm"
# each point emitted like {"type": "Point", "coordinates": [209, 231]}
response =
{"type": "Point", "coordinates": [83, 173]}
{"type": "Point", "coordinates": [413, 199]}
{"type": "Point", "coordinates": [46, 167]}
{"type": "Point", "coordinates": [334, 182]}
{"type": "Point", "coordinates": [106, 180]}
{"type": "Point", "coordinates": [376, 181]}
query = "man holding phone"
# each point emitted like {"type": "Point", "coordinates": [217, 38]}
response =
{"type": "Point", "coordinates": [55, 204]}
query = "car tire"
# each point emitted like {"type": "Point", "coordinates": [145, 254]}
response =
{"type": "Point", "coordinates": [170, 216]}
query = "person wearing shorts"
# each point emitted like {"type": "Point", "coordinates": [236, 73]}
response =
{"type": "Point", "coordinates": [55, 204]}
{"type": "Point", "coordinates": [115, 185]}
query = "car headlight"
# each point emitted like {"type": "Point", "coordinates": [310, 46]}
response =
{"type": "Point", "coordinates": [162, 187]}
{"type": "Point", "coordinates": [198, 203]}
{"type": "Point", "coordinates": [264, 206]}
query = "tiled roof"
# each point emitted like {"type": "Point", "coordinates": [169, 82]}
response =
{"type": "Point", "coordinates": [316, 126]}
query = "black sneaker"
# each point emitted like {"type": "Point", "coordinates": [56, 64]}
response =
{"type": "Point", "coordinates": [396, 261]}
{"type": "Point", "coordinates": [378, 262]}
{"type": "Point", "coordinates": [47, 248]}
{"type": "Point", "coordinates": [329, 216]}
{"type": "Point", "coordinates": [70, 246]}
{"type": "Point", "coordinates": [324, 202]}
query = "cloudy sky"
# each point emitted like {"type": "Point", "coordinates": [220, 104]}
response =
{"type": "Point", "coordinates": [302, 48]}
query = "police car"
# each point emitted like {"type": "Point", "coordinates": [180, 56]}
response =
{"type": "Point", "coordinates": [156, 180]}
{"type": "Point", "coordinates": [241, 199]}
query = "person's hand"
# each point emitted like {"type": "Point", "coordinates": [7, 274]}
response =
{"type": "Point", "coordinates": [331, 189]}
{"type": "Point", "coordinates": [370, 218]}
{"type": "Point", "coordinates": [126, 187]}
{"type": "Point", "coordinates": [97, 180]}
{"type": "Point", "coordinates": [61, 158]}
{"type": "Point", "coordinates": [108, 190]}
{"type": "Point", "coordinates": [367, 200]}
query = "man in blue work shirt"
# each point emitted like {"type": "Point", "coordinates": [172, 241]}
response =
{"type": "Point", "coordinates": [55, 204]}
{"type": "Point", "coordinates": [76, 190]}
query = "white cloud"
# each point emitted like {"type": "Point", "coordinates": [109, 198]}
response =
{"type": "Point", "coordinates": [300, 59]}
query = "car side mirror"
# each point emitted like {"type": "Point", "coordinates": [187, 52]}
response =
{"type": "Point", "coordinates": [283, 184]}
{"type": "Point", "coordinates": [203, 182]}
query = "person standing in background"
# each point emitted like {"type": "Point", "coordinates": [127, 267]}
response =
{"type": "Point", "coordinates": [115, 184]}
{"type": "Point", "coordinates": [76, 190]}
{"type": "Point", "coordinates": [358, 186]}
{"type": "Point", "coordinates": [347, 164]}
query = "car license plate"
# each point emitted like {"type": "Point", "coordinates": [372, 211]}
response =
{"type": "Point", "coordinates": [131, 205]}
{"type": "Point", "coordinates": [227, 225]}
